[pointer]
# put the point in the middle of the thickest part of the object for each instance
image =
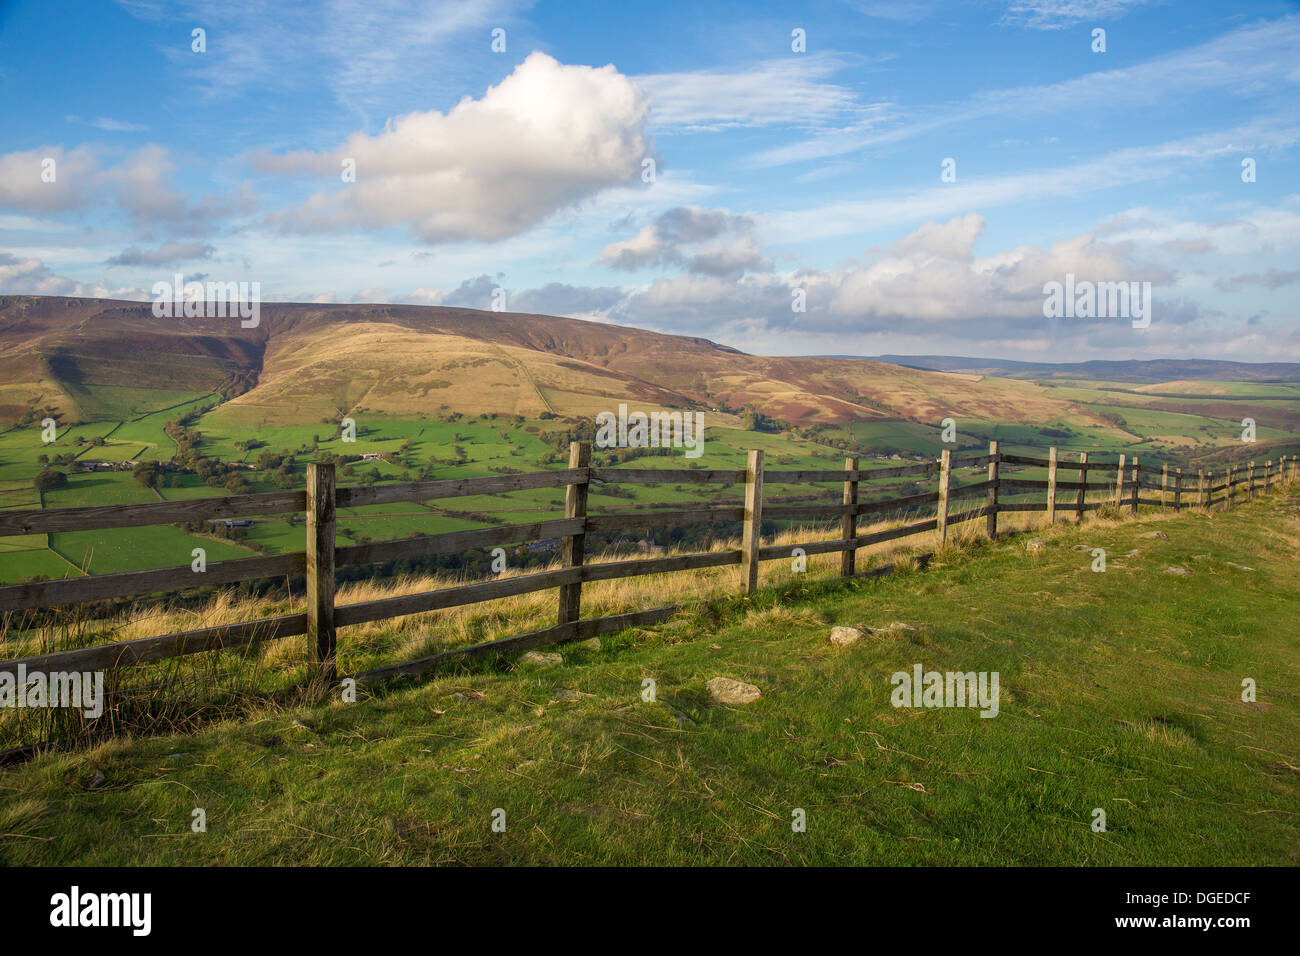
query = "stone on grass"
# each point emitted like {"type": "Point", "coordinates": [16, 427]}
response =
{"type": "Point", "coordinates": [1036, 544]}
{"type": "Point", "coordinates": [727, 691]}
{"type": "Point", "coordinates": [844, 636]}
{"type": "Point", "coordinates": [895, 626]}
{"type": "Point", "coordinates": [542, 657]}
{"type": "Point", "coordinates": [1181, 572]}
{"type": "Point", "coordinates": [1239, 567]}
{"type": "Point", "coordinates": [1153, 534]}
{"type": "Point", "coordinates": [591, 643]}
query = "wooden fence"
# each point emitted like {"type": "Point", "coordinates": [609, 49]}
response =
{"type": "Point", "coordinates": [1124, 482]}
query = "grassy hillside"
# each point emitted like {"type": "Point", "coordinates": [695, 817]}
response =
{"type": "Point", "coordinates": [1119, 690]}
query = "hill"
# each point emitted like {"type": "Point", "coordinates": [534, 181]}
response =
{"type": "Point", "coordinates": [88, 358]}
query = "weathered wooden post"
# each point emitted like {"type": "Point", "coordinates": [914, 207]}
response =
{"type": "Point", "coordinates": [945, 481]}
{"type": "Point", "coordinates": [573, 547]}
{"type": "Point", "coordinates": [1268, 469]}
{"type": "Point", "coordinates": [1119, 482]}
{"type": "Point", "coordinates": [1178, 490]}
{"type": "Point", "coordinates": [1082, 500]}
{"type": "Point", "coordinates": [1231, 483]}
{"type": "Point", "coordinates": [991, 502]}
{"type": "Point", "coordinates": [1200, 487]}
{"type": "Point", "coordinates": [321, 637]}
{"type": "Point", "coordinates": [1164, 486]}
{"type": "Point", "coordinates": [849, 523]}
{"type": "Point", "coordinates": [1137, 483]}
{"type": "Point", "coordinates": [1051, 486]}
{"type": "Point", "coordinates": [1250, 481]}
{"type": "Point", "coordinates": [753, 527]}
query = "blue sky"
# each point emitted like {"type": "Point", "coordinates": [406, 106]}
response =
{"type": "Point", "coordinates": [775, 170]}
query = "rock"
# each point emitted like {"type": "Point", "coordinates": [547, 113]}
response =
{"type": "Point", "coordinates": [542, 657]}
{"type": "Point", "coordinates": [1132, 554]}
{"type": "Point", "coordinates": [727, 691]}
{"type": "Point", "coordinates": [97, 781]}
{"type": "Point", "coordinates": [591, 643]}
{"type": "Point", "coordinates": [566, 693]}
{"type": "Point", "coordinates": [1153, 534]}
{"type": "Point", "coordinates": [1082, 547]}
{"type": "Point", "coordinates": [1200, 557]}
{"type": "Point", "coordinates": [1180, 572]}
{"type": "Point", "coordinates": [1036, 544]}
{"type": "Point", "coordinates": [1239, 567]}
{"type": "Point", "coordinates": [844, 636]}
{"type": "Point", "coordinates": [895, 626]}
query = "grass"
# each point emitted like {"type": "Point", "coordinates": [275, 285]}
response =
{"type": "Point", "coordinates": [1119, 691]}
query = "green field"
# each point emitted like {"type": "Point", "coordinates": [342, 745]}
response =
{"type": "Point", "coordinates": [1119, 691]}
{"type": "Point", "coordinates": [459, 446]}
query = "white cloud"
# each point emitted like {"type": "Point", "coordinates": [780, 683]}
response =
{"type": "Point", "coordinates": [791, 91]}
{"type": "Point", "coordinates": [544, 138]}
{"type": "Point", "coordinates": [31, 276]}
{"type": "Point", "coordinates": [1058, 14]}
{"type": "Point", "coordinates": [139, 185]}
{"type": "Point", "coordinates": [1251, 61]}
{"type": "Point", "coordinates": [666, 242]}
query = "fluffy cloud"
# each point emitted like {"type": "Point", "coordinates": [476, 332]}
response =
{"type": "Point", "coordinates": [543, 139]}
{"type": "Point", "coordinates": [139, 187]}
{"type": "Point", "coordinates": [31, 276]}
{"type": "Point", "coordinates": [664, 242]}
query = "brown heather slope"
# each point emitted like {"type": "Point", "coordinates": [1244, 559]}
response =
{"type": "Point", "coordinates": [304, 362]}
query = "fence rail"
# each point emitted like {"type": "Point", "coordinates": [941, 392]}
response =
{"type": "Point", "coordinates": [322, 556]}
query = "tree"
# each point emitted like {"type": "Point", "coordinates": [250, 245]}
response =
{"type": "Point", "coordinates": [49, 479]}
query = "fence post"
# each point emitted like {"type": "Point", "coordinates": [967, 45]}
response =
{"type": "Point", "coordinates": [1250, 481]}
{"type": "Point", "coordinates": [1164, 486]}
{"type": "Point", "coordinates": [1178, 490]}
{"type": "Point", "coordinates": [1200, 487]}
{"type": "Point", "coordinates": [321, 638]}
{"type": "Point", "coordinates": [572, 547]}
{"type": "Point", "coordinates": [1268, 474]}
{"type": "Point", "coordinates": [1051, 486]}
{"type": "Point", "coordinates": [1137, 483]}
{"type": "Point", "coordinates": [752, 533]}
{"type": "Point", "coordinates": [849, 523]}
{"type": "Point", "coordinates": [1232, 480]}
{"type": "Point", "coordinates": [992, 500]}
{"type": "Point", "coordinates": [945, 481]}
{"type": "Point", "coordinates": [1119, 482]}
{"type": "Point", "coordinates": [1082, 500]}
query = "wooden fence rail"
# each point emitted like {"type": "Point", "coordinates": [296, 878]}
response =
{"type": "Point", "coordinates": [322, 556]}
